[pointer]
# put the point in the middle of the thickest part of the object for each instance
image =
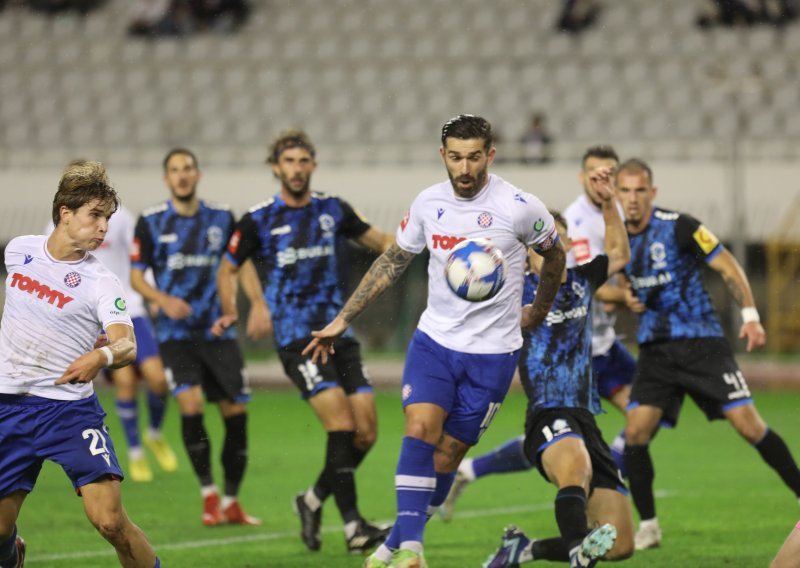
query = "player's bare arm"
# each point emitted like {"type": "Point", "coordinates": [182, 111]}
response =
{"type": "Point", "coordinates": [226, 290]}
{"type": "Point", "coordinates": [175, 308]}
{"type": "Point", "coordinates": [739, 286]}
{"type": "Point", "coordinates": [122, 347]}
{"type": "Point", "coordinates": [550, 275]}
{"type": "Point", "coordinates": [616, 242]}
{"type": "Point", "coordinates": [259, 320]}
{"type": "Point", "coordinates": [376, 240]}
{"type": "Point", "coordinates": [384, 272]}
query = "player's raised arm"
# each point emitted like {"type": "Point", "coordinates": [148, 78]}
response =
{"type": "Point", "coordinates": [735, 278]}
{"type": "Point", "coordinates": [118, 352]}
{"type": "Point", "coordinates": [616, 242]}
{"type": "Point", "coordinates": [552, 268]}
{"type": "Point", "coordinates": [384, 272]}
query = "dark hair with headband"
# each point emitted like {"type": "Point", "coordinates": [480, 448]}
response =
{"type": "Point", "coordinates": [467, 126]}
{"type": "Point", "coordinates": [291, 138]}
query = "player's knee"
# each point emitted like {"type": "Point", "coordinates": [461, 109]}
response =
{"type": "Point", "coordinates": [365, 439]}
{"type": "Point", "coordinates": [423, 431]}
{"type": "Point", "coordinates": [111, 527]}
{"type": "Point", "coordinates": [6, 530]}
{"type": "Point", "coordinates": [622, 550]}
{"type": "Point", "coordinates": [636, 435]}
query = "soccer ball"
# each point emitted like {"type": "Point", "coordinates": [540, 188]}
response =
{"type": "Point", "coordinates": [475, 270]}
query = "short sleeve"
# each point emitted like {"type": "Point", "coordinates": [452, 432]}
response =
{"type": "Point", "coordinates": [245, 240]}
{"type": "Point", "coordinates": [410, 234]}
{"type": "Point", "coordinates": [143, 247]}
{"type": "Point", "coordinates": [595, 271]}
{"type": "Point", "coordinates": [111, 303]}
{"type": "Point", "coordinates": [352, 225]}
{"type": "Point", "coordinates": [694, 237]}
{"type": "Point", "coordinates": [534, 223]}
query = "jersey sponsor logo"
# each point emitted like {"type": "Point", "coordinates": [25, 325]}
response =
{"type": "Point", "coordinates": [582, 250]}
{"type": "Point", "coordinates": [179, 261]}
{"type": "Point", "coordinates": [485, 220]}
{"type": "Point", "coordinates": [41, 291]}
{"type": "Point", "coordinates": [445, 242]}
{"type": "Point", "coordinates": [658, 254]}
{"type": "Point", "coordinates": [214, 236]}
{"type": "Point", "coordinates": [136, 250]}
{"type": "Point", "coordinates": [284, 230]}
{"type": "Point", "coordinates": [120, 304]}
{"type": "Point", "coordinates": [640, 282]}
{"type": "Point", "coordinates": [28, 259]}
{"type": "Point", "coordinates": [705, 239]}
{"type": "Point", "coordinates": [72, 280]}
{"type": "Point", "coordinates": [291, 255]}
{"type": "Point", "coordinates": [168, 238]}
{"type": "Point", "coordinates": [404, 221]}
{"type": "Point", "coordinates": [538, 225]}
{"type": "Point", "coordinates": [557, 316]}
{"type": "Point", "coordinates": [233, 244]}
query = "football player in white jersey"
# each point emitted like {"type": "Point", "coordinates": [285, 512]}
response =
{"type": "Point", "coordinates": [58, 299]}
{"type": "Point", "coordinates": [462, 357]}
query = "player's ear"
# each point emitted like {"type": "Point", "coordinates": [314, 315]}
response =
{"type": "Point", "coordinates": [490, 155]}
{"type": "Point", "coordinates": [65, 214]}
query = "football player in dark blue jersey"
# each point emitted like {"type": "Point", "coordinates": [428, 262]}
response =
{"type": "Point", "coordinates": [561, 436]}
{"type": "Point", "coordinates": [182, 240]}
{"type": "Point", "coordinates": [682, 349]}
{"type": "Point", "coordinates": [295, 237]}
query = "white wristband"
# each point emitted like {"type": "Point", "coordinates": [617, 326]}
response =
{"type": "Point", "coordinates": [750, 315]}
{"type": "Point", "coordinates": [109, 355]}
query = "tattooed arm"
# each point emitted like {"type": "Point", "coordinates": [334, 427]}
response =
{"type": "Point", "coordinates": [384, 272]}
{"type": "Point", "coordinates": [736, 280]}
{"type": "Point", "coordinates": [550, 275]}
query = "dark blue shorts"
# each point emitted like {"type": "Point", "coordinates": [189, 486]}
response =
{"type": "Point", "coordinates": [71, 433]}
{"type": "Point", "coordinates": [613, 370]}
{"type": "Point", "coordinates": [146, 345]}
{"type": "Point", "coordinates": [470, 387]}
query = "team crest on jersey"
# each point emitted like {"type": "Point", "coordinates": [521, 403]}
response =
{"type": "Point", "coordinates": [485, 220]}
{"type": "Point", "coordinates": [406, 392]}
{"type": "Point", "coordinates": [214, 236]}
{"type": "Point", "coordinates": [578, 289]}
{"type": "Point", "coordinates": [72, 280]}
{"type": "Point", "coordinates": [326, 222]}
{"type": "Point", "coordinates": [658, 254]}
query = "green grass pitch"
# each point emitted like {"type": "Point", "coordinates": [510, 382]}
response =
{"type": "Point", "coordinates": [719, 504]}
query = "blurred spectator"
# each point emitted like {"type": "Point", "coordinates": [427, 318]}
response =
{"type": "Point", "coordinates": [155, 18]}
{"type": "Point", "coordinates": [56, 6]}
{"type": "Point", "coordinates": [536, 141]}
{"type": "Point", "coordinates": [219, 15]}
{"type": "Point", "coordinates": [748, 13]}
{"type": "Point", "coordinates": [577, 15]}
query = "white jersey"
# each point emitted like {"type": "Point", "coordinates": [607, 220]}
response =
{"type": "Point", "coordinates": [512, 220]}
{"type": "Point", "coordinates": [587, 230]}
{"type": "Point", "coordinates": [115, 253]}
{"type": "Point", "coordinates": [53, 313]}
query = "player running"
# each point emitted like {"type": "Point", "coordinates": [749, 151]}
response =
{"type": "Point", "coordinates": [58, 299]}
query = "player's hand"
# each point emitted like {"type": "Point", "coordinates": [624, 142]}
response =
{"type": "Point", "coordinates": [83, 369]}
{"type": "Point", "coordinates": [632, 301]}
{"type": "Point", "coordinates": [259, 321]}
{"type": "Point", "coordinates": [176, 308]}
{"type": "Point", "coordinates": [322, 344]}
{"type": "Point", "coordinates": [755, 334]}
{"type": "Point", "coordinates": [222, 324]}
{"type": "Point", "coordinates": [602, 183]}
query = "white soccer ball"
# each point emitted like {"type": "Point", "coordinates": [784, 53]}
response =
{"type": "Point", "coordinates": [476, 270]}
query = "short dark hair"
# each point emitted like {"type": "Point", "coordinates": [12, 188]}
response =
{"type": "Point", "coordinates": [558, 217]}
{"type": "Point", "coordinates": [467, 126]}
{"type": "Point", "coordinates": [180, 151]}
{"type": "Point", "coordinates": [82, 182]}
{"type": "Point", "coordinates": [290, 138]}
{"type": "Point", "coordinates": [601, 151]}
{"type": "Point", "coordinates": [636, 165]}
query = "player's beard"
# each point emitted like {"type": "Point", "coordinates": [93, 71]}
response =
{"type": "Point", "coordinates": [296, 193]}
{"type": "Point", "coordinates": [185, 198]}
{"type": "Point", "coordinates": [470, 191]}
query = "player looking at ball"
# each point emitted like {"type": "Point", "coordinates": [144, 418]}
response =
{"type": "Point", "coordinates": [462, 357]}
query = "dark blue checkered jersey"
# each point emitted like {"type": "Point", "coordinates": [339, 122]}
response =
{"type": "Point", "coordinates": [295, 248]}
{"type": "Point", "coordinates": [665, 273]}
{"type": "Point", "coordinates": [184, 253]}
{"type": "Point", "coordinates": [556, 366]}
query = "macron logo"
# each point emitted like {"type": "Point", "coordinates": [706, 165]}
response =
{"type": "Point", "coordinates": [41, 291]}
{"type": "Point", "coordinates": [28, 259]}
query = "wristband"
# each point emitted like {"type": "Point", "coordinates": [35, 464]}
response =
{"type": "Point", "coordinates": [750, 315]}
{"type": "Point", "coordinates": [109, 355]}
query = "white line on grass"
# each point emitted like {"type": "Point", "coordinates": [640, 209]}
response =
{"type": "Point", "coordinates": [261, 537]}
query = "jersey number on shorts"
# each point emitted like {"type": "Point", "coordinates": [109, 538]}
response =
{"type": "Point", "coordinates": [98, 444]}
{"type": "Point", "coordinates": [736, 380]}
{"type": "Point", "coordinates": [310, 373]}
{"type": "Point", "coordinates": [493, 408]}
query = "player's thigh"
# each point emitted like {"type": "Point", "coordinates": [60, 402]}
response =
{"type": "Point", "coordinates": [789, 554]}
{"type": "Point", "coordinates": [10, 506]}
{"type": "Point", "coordinates": [747, 422]}
{"type": "Point", "coordinates": [190, 400]}
{"type": "Point", "coordinates": [620, 398]}
{"type": "Point", "coordinates": [102, 502]}
{"type": "Point", "coordinates": [566, 462]}
{"type": "Point", "coordinates": [224, 374]}
{"type": "Point", "coordinates": [657, 382]}
{"type": "Point", "coordinates": [425, 421]}
{"type": "Point", "coordinates": [152, 369]}
{"type": "Point", "coordinates": [558, 432]}
{"type": "Point", "coordinates": [309, 377]}
{"type": "Point", "coordinates": [611, 506]}
{"type": "Point", "coordinates": [642, 423]}
{"type": "Point", "coordinates": [333, 410]}
{"type": "Point", "coordinates": [124, 382]}
{"type": "Point", "coordinates": [365, 416]}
